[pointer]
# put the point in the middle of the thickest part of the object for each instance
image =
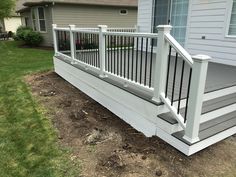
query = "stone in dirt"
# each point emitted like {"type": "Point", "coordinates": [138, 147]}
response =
{"type": "Point", "coordinates": [94, 137]}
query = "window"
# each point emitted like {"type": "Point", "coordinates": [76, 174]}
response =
{"type": "Point", "coordinates": [34, 20]}
{"type": "Point", "coordinates": [42, 21]}
{"type": "Point", "coordinates": [123, 12]}
{"type": "Point", "coordinates": [27, 21]}
{"type": "Point", "coordinates": [232, 25]}
{"type": "Point", "coordinates": [175, 13]}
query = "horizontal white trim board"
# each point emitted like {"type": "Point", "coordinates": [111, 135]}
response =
{"type": "Point", "coordinates": [212, 140]}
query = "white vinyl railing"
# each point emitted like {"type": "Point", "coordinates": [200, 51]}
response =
{"type": "Point", "coordinates": [142, 61]}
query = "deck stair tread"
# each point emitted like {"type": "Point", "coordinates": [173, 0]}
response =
{"type": "Point", "coordinates": [208, 106]}
{"type": "Point", "coordinates": [211, 128]}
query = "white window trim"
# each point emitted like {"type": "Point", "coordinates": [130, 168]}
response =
{"type": "Point", "coordinates": [229, 9]}
{"type": "Point", "coordinates": [41, 19]}
{"type": "Point", "coordinates": [125, 10]}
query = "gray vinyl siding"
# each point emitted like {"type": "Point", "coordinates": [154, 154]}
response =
{"type": "Point", "coordinates": [206, 18]}
{"type": "Point", "coordinates": [47, 36]}
{"type": "Point", "coordinates": [91, 16]}
{"type": "Point", "coordinates": [26, 14]}
{"type": "Point", "coordinates": [209, 19]}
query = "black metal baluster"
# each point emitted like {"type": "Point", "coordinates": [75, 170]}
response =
{"type": "Point", "coordinates": [111, 55]}
{"type": "Point", "coordinates": [58, 40]}
{"type": "Point", "coordinates": [77, 42]}
{"type": "Point", "coordinates": [129, 58]}
{"type": "Point", "coordinates": [136, 73]}
{"type": "Point", "coordinates": [98, 52]}
{"type": "Point", "coordinates": [86, 44]}
{"type": "Point", "coordinates": [125, 57]}
{"type": "Point", "coordinates": [121, 57]}
{"type": "Point", "coordinates": [118, 39]}
{"type": "Point", "coordinates": [146, 58]}
{"type": "Point", "coordinates": [173, 85]}
{"type": "Point", "coordinates": [106, 53]}
{"type": "Point", "coordinates": [93, 50]}
{"type": "Point", "coordinates": [132, 68]}
{"type": "Point", "coordinates": [89, 50]}
{"type": "Point", "coordinates": [81, 47]}
{"type": "Point", "coordinates": [109, 48]}
{"type": "Point", "coordinates": [65, 41]}
{"type": "Point", "coordinates": [150, 74]}
{"type": "Point", "coordinates": [141, 62]}
{"type": "Point", "coordinates": [187, 99]}
{"type": "Point", "coordinates": [181, 84]}
{"type": "Point", "coordinates": [168, 71]}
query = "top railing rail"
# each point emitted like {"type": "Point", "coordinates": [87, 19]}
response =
{"type": "Point", "coordinates": [181, 51]}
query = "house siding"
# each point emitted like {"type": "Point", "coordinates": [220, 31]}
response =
{"type": "Point", "coordinates": [206, 18]}
{"type": "Point", "coordinates": [47, 36]}
{"type": "Point", "coordinates": [145, 15]}
{"type": "Point", "coordinates": [12, 23]}
{"type": "Point", "coordinates": [209, 19]}
{"type": "Point", "coordinates": [91, 16]}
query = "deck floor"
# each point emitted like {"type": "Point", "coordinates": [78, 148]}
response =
{"type": "Point", "coordinates": [219, 76]}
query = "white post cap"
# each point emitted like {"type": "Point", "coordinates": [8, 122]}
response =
{"type": "Point", "coordinates": [201, 58]}
{"type": "Point", "coordinates": [164, 27]}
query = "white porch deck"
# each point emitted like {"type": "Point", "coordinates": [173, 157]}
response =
{"type": "Point", "coordinates": [124, 80]}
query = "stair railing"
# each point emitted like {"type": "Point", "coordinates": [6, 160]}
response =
{"type": "Point", "coordinates": [169, 87]}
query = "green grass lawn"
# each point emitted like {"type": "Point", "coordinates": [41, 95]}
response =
{"type": "Point", "coordinates": [28, 141]}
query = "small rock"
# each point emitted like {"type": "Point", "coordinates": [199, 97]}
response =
{"type": "Point", "coordinates": [144, 157]}
{"type": "Point", "coordinates": [85, 112]}
{"type": "Point", "coordinates": [158, 173]}
{"type": "Point", "coordinates": [66, 103]}
{"type": "Point", "coordinates": [47, 93]}
{"type": "Point", "coordinates": [93, 137]}
{"type": "Point", "coordinates": [126, 146]}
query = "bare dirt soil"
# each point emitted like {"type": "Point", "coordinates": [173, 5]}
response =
{"type": "Point", "coordinates": [108, 147]}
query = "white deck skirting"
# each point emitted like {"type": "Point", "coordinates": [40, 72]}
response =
{"type": "Point", "coordinates": [139, 113]}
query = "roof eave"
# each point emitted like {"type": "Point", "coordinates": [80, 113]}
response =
{"type": "Point", "coordinates": [30, 4]}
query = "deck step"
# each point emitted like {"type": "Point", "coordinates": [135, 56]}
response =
{"type": "Point", "coordinates": [211, 128]}
{"type": "Point", "coordinates": [208, 106]}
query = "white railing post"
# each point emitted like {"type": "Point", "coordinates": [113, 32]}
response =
{"type": "Point", "coordinates": [102, 49]}
{"type": "Point", "coordinates": [197, 87]}
{"type": "Point", "coordinates": [54, 34]}
{"type": "Point", "coordinates": [72, 44]}
{"type": "Point", "coordinates": [160, 68]}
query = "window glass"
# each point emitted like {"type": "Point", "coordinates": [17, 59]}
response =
{"type": "Point", "coordinates": [232, 26]}
{"type": "Point", "coordinates": [41, 12]}
{"type": "Point", "coordinates": [175, 13]}
{"type": "Point", "coordinates": [42, 21]}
